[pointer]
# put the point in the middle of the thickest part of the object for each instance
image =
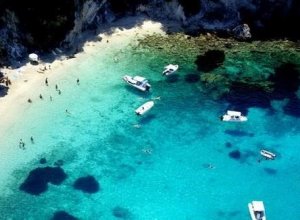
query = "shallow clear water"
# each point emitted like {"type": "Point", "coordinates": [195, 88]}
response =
{"type": "Point", "coordinates": [160, 169]}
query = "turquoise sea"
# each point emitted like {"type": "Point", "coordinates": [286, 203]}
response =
{"type": "Point", "coordinates": [178, 161]}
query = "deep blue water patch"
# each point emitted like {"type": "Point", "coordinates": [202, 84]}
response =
{"type": "Point", "coordinates": [62, 215]}
{"type": "Point", "coordinates": [292, 108]}
{"type": "Point", "coordinates": [242, 96]}
{"type": "Point", "coordinates": [228, 145]}
{"type": "Point", "coordinates": [43, 160]}
{"type": "Point", "coordinates": [87, 184]}
{"type": "Point", "coordinates": [270, 171]}
{"type": "Point", "coordinates": [286, 81]}
{"type": "Point", "coordinates": [236, 154]}
{"type": "Point", "coordinates": [210, 60]}
{"type": "Point", "coordinates": [238, 133]}
{"type": "Point", "coordinates": [38, 179]}
{"type": "Point", "coordinates": [120, 212]}
{"type": "Point", "coordinates": [192, 78]}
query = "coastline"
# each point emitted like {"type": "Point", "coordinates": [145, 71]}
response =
{"type": "Point", "coordinates": [28, 82]}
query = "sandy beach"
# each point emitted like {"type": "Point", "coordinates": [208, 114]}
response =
{"type": "Point", "coordinates": [28, 82]}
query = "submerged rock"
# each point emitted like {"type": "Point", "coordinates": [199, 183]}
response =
{"type": "Point", "coordinates": [242, 32]}
{"type": "Point", "coordinates": [43, 160]}
{"type": "Point", "coordinates": [62, 215]}
{"type": "Point", "coordinates": [210, 60]}
{"type": "Point", "coordinates": [228, 144]}
{"type": "Point", "coordinates": [236, 154]}
{"type": "Point", "coordinates": [87, 184]}
{"type": "Point", "coordinates": [38, 179]}
{"type": "Point", "coordinates": [120, 212]}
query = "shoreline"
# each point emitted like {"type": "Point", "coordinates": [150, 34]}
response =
{"type": "Point", "coordinates": [27, 83]}
{"type": "Point", "coordinates": [28, 77]}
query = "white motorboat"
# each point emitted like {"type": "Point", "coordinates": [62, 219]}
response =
{"type": "Point", "coordinates": [267, 154]}
{"type": "Point", "coordinates": [138, 82]}
{"type": "Point", "coordinates": [234, 116]}
{"type": "Point", "coordinates": [169, 69]}
{"type": "Point", "coordinates": [144, 108]}
{"type": "Point", "coordinates": [257, 210]}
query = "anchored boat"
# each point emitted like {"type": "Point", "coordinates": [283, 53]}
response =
{"type": "Point", "coordinates": [257, 210]}
{"type": "Point", "coordinates": [169, 69]}
{"type": "Point", "coordinates": [138, 82]}
{"type": "Point", "coordinates": [267, 154]}
{"type": "Point", "coordinates": [234, 116]}
{"type": "Point", "coordinates": [144, 108]}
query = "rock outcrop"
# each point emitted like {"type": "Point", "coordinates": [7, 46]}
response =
{"type": "Point", "coordinates": [44, 25]}
{"type": "Point", "coordinates": [242, 32]}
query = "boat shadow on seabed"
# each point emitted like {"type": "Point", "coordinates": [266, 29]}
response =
{"type": "Point", "coordinates": [146, 119]}
{"type": "Point", "coordinates": [139, 93]}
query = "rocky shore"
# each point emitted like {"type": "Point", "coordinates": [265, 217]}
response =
{"type": "Point", "coordinates": [43, 26]}
{"type": "Point", "coordinates": [252, 73]}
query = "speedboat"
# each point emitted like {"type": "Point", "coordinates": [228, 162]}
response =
{"type": "Point", "coordinates": [234, 116]}
{"type": "Point", "coordinates": [257, 210]}
{"type": "Point", "coordinates": [144, 108]}
{"type": "Point", "coordinates": [267, 154]}
{"type": "Point", "coordinates": [169, 69]}
{"type": "Point", "coordinates": [138, 82]}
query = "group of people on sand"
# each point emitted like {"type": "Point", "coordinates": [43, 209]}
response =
{"type": "Point", "coordinates": [56, 88]}
{"type": "Point", "coordinates": [22, 143]}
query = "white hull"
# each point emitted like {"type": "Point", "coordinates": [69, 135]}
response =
{"type": "Point", "coordinates": [143, 86]}
{"type": "Point", "coordinates": [234, 116]}
{"type": "Point", "coordinates": [170, 69]}
{"type": "Point", "coordinates": [235, 119]}
{"type": "Point", "coordinates": [267, 154]}
{"type": "Point", "coordinates": [144, 108]}
{"type": "Point", "coordinates": [261, 216]}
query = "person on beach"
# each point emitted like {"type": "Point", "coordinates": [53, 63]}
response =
{"type": "Point", "coordinates": [22, 144]}
{"type": "Point", "coordinates": [77, 81]}
{"type": "Point", "coordinates": [67, 112]}
{"type": "Point", "coordinates": [46, 81]}
{"type": "Point", "coordinates": [32, 140]}
{"type": "Point", "coordinates": [59, 92]}
{"type": "Point", "coordinates": [56, 87]}
{"type": "Point", "coordinates": [41, 97]}
{"type": "Point", "coordinates": [29, 101]}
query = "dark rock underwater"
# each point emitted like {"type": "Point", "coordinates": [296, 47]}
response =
{"type": "Point", "coordinates": [38, 179]}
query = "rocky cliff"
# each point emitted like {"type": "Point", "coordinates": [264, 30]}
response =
{"type": "Point", "coordinates": [31, 25]}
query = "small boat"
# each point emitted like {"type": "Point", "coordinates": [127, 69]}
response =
{"type": "Point", "coordinates": [144, 108]}
{"type": "Point", "coordinates": [169, 69]}
{"type": "Point", "coordinates": [234, 116]}
{"type": "Point", "coordinates": [138, 82]}
{"type": "Point", "coordinates": [257, 210]}
{"type": "Point", "coordinates": [267, 154]}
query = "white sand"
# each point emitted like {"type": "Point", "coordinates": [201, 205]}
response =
{"type": "Point", "coordinates": [28, 81]}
